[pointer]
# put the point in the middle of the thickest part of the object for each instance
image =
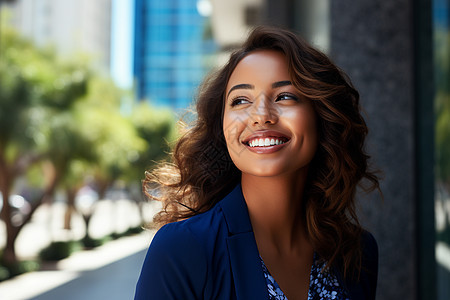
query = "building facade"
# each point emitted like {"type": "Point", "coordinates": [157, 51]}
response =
{"type": "Point", "coordinates": [71, 26]}
{"type": "Point", "coordinates": [171, 49]}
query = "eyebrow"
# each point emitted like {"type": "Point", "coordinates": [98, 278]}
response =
{"type": "Point", "coordinates": [246, 86]}
{"type": "Point", "coordinates": [241, 86]}
{"type": "Point", "coordinates": [281, 83]}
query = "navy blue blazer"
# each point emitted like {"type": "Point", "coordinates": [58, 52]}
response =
{"type": "Point", "coordinates": [214, 256]}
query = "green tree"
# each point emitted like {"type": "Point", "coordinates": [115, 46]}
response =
{"type": "Point", "coordinates": [36, 91]}
{"type": "Point", "coordinates": [442, 101]}
{"type": "Point", "coordinates": [442, 106]}
{"type": "Point", "coordinates": [157, 127]}
{"type": "Point", "coordinates": [60, 123]}
{"type": "Point", "coordinates": [116, 142]}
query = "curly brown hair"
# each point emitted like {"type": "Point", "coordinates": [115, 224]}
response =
{"type": "Point", "coordinates": [202, 172]}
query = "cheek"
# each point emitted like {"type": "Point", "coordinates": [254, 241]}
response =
{"type": "Point", "coordinates": [303, 121]}
{"type": "Point", "coordinates": [227, 131]}
{"type": "Point", "coordinates": [231, 129]}
{"type": "Point", "coordinates": [305, 127]}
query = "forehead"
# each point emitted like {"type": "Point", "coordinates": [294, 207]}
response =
{"type": "Point", "coordinates": [262, 66]}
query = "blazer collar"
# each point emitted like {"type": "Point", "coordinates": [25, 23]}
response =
{"type": "Point", "coordinates": [236, 212]}
{"type": "Point", "coordinates": [246, 266]}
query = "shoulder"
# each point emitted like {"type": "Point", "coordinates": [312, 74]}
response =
{"type": "Point", "coordinates": [369, 241]}
{"type": "Point", "coordinates": [189, 237]}
{"type": "Point", "coordinates": [204, 228]}
{"type": "Point", "coordinates": [172, 239]}
{"type": "Point", "coordinates": [369, 248]}
{"type": "Point", "coordinates": [181, 256]}
{"type": "Point", "coordinates": [174, 267]}
{"type": "Point", "coordinates": [366, 285]}
{"type": "Point", "coordinates": [369, 244]}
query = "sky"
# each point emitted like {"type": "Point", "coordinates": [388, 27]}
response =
{"type": "Point", "coordinates": [122, 42]}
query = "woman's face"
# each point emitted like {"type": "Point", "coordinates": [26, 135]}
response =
{"type": "Point", "coordinates": [269, 128]}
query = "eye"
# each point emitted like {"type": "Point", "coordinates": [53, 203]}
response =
{"type": "Point", "coordinates": [286, 96]}
{"type": "Point", "coordinates": [239, 100]}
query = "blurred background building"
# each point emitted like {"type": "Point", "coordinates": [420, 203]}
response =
{"type": "Point", "coordinates": [71, 26]}
{"type": "Point", "coordinates": [396, 52]}
{"type": "Point", "coordinates": [172, 44]}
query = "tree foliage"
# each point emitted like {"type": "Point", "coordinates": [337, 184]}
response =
{"type": "Point", "coordinates": [60, 123]}
{"type": "Point", "coordinates": [157, 128]}
{"type": "Point", "coordinates": [36, 91]}
{"type": "Point", "coordinates": [442, 102]}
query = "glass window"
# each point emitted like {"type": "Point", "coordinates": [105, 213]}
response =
{"type": "Point", "coordinates": [441, 18]}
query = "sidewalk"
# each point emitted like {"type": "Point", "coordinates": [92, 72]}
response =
{"type": "Point", "coordinates": [107, 272]}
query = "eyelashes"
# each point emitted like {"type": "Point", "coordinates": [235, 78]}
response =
{"type": "Point", "coordinates": [239, 100]}
{"type": "Point", "coordinates": [286, 96]}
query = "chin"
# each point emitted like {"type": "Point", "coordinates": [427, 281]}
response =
{"type": "Point", "coordinates": [263, 171]}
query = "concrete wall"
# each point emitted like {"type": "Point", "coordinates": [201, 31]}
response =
{"type": "Point", "coordinates": [385, 47]}
{"type": "Point", "coordinates": [372, 42]}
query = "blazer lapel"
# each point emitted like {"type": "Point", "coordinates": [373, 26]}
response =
{"type": "Point", "coordinates": [248, 278]}
{"type": "Point", "coordinates": [246, 267]}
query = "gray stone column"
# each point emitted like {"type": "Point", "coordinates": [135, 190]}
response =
{"type": "Point", "coordinates": [376, 43]}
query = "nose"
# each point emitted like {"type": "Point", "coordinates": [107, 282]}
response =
{"type": "Point", "coordinates": [264, 112]}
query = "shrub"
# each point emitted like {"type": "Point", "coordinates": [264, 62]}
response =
{"type": "Point", "coordinates": [24, 267]}
{"type": "Point", "coordinates": [116, 235]}
{"type": "Point", "coordinates": [59, 250]}
{"type": "Point", "coordinates": [4, 273]}
{"type": "Point", "coordinates": [9, 271]}
{"type": "Point", "coordinates": [90, 243]}
{"type": "Point", "coordinates": [134, 230]}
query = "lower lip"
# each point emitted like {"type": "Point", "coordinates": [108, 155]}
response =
{"type": "Point", "coordinates": [267, 149]}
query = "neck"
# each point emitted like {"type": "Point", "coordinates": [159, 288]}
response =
{"type": "Point", "coordinates": [275, 208]}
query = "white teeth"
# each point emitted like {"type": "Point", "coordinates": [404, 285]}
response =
{"type": "Point", "coordinates": [265, 142]}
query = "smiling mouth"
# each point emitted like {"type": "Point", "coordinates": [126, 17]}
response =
{"type": "Point", "coordinates": [266, 142]}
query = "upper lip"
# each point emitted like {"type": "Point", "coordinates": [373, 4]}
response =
{"type": "Point", "coordinates": [265, 134]}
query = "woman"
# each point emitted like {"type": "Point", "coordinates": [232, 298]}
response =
{"type": "Point", "coordinates": [260, 200]}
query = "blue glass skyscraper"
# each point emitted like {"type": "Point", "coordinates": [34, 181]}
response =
{"type": "Point", "coordinates": [171, 44]}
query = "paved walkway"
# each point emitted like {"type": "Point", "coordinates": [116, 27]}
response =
{"type": "Point", "coordinates": [107, 272]}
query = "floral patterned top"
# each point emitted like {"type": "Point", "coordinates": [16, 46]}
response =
{"type": "Point", "coordinates": [322, 285]}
